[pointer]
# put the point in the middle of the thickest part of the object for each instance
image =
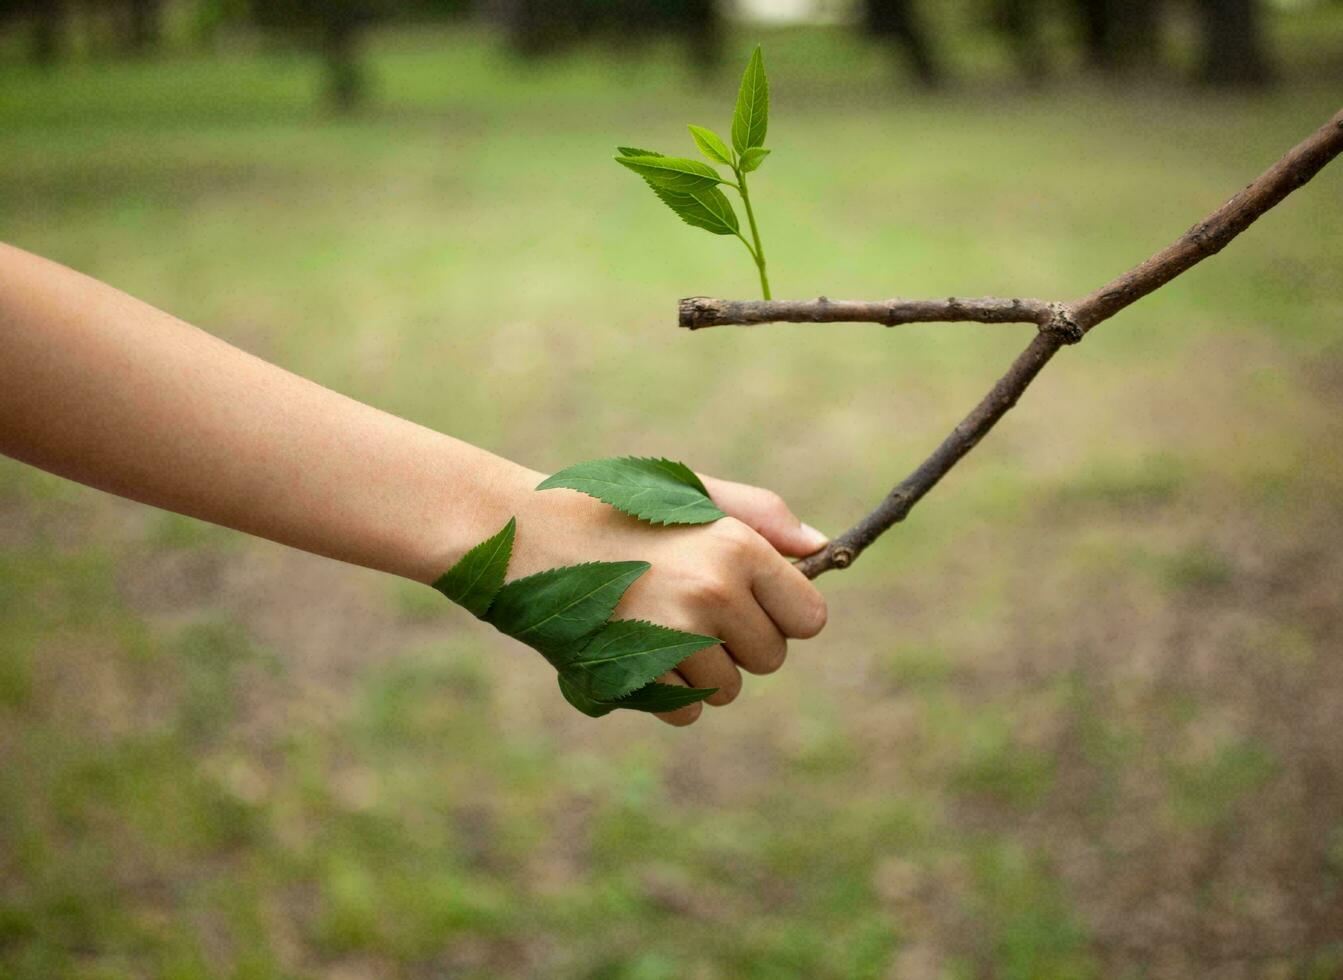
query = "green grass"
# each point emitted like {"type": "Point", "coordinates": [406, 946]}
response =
{"type": "Point", "coordinates": [1093, 675]}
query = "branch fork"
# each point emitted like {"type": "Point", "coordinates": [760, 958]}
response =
{"type": "Point", "coordinates": [1058, 324]}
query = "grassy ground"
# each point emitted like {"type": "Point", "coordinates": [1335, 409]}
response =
{"type": "Point", "coordinates": [1077, 718]}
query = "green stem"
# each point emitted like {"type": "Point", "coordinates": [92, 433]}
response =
{"type": "Point", "coordinates": [747, 245]}
{"type": "Point", "coordinates": [759, 252]}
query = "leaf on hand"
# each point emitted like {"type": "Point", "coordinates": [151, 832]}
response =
{"type": "Point", "coordinates": [751, 117]}
{"type": "Point", "coordinates": [674, 173]}
{"type": "Point", "coordinates": [663, 697]}
{"type": "Point", "coordinates": [708, 209]}
{"type": "Point", "coordinates": [651, 697]}
{"type": "Point", "coordinates": [659, 491]}
{"type": "Point", "coordinates": [711, 145]}
{"type": "Point", "coordinates": [475, 580]}
{"type": "Point", "coordinates": [628, 653]}
{"type": "Point", "coordinates": [753, 158]}
{"type": "Point", "coordinates": [552, 610]}
{"type": "Point", "coordinates": [575, 696]}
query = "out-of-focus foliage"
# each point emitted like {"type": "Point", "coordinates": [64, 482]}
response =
{"type": "Point", "coordinates": [540, 27]}
{"type": "Point", "coordinates": [1218, 42]}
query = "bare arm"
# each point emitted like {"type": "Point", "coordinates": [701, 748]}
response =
{"type": "Point", "coordinates": [104, 389]}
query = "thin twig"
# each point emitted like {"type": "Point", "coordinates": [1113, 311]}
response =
{"type": "Point", "coordinates": [698, 312]}
{"type": "Point", "coordinates": [1058, 323]}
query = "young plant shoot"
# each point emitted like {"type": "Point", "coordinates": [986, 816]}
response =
{"type": "Point", "coordinates": [690, 188]}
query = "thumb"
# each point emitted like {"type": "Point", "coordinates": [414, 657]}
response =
{"type": "Point", "coordinates": [766, 513]}
{"type": "Point", "coordinates": [793, 538]}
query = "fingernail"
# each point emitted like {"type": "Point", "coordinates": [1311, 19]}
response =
{"type": "Point", "coordinates": [814, 538]}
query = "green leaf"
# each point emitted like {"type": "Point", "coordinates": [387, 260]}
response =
{"type": "Point", "coordinates": [553, 609]}
{"type": "Point", "coordinates": [575, 696]}
{"type": "Point", "coordinates": [663, 697]}
{"type": "Point", "coordinates": [708, 209]}
{"type": "Point", "coordinates": [659, 491]}
{"type": "Point", "coordinates": [753, 158]}
{"type": "Point", "coordinates": [751, 117]}
{"type": "Point", "coordinates": [650, 697]}
{"type": "Point", "coordinates": [628, 653]}
{"type": "Point", "coordinates": [674, 173]}
{"type": "Point", "coordinates": [710, 144]}
{"type": "Point", "coordinates": [634, 151]}
{"type": "Point", "coordinates": [475, 580]}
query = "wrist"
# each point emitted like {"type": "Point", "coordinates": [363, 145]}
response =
{"type": "Point", "coordinates": [475, 496]}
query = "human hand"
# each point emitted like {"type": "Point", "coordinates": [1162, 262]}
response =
{"type": "Point", "coordinates": [728, 579]}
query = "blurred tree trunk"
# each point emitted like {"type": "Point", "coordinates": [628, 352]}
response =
{"type": "Point", "coordinates": [1118, 35]}
{"type": "Point", "coordinates": [703, 34]}
{"type": "Point", "coordinates": [537, 27]}
{"type": "Point", "coordinates": [1019, 22]}
{"type": "Point", "coordinates": [1135, 40]}
{"type": "Point", "coordinates": [334, 30]}
{"type": "Point", "coordinates": [144, 25]}
{"type": "Point", "coordinates": [49, 30]}
{"type": "Point", "coordinates": [900, 21]}
{"type": "Point", "coordinates": [345, 84]}
{"type": "Point", "coordinates": [1234, 50]}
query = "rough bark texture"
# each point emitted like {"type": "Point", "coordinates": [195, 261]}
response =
{"type": "Point", "coordinates": [1058, 324]}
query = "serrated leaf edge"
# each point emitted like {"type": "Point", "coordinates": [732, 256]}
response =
{"type": "Point", "coordinates": [505, 535]}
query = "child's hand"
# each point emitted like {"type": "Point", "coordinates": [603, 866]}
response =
{"type": "Point", "coordinates": [727, 579]}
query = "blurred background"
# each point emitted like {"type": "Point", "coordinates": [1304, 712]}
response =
{"type": "Point", "coordinates": [1079, 717]}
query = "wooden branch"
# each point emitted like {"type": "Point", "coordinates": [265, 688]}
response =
{"type": "Point", "coordinates": [698, 312]}
{"type": "Point", "coordinates": [1058, 324]}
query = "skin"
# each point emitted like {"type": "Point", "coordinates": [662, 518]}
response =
{"type": "Point", "coordinates": [101, 388]}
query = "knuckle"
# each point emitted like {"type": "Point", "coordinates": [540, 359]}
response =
{"type": "Point", "coordinates": [774, 504]}
{"type": "Point", "coordinates": [738, 538]}
{"type": "Point", "coordinates": [711, 589]}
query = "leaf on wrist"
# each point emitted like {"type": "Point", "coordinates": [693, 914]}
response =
{"type": "Point", "coordinates": [751, 117]}
{"type": "Point", "coordinates": [475, 580]}
{"type": "Point", "coordinates": [552, 610]}
{"type": "Point", "coordinates": [674, 173]}
{"type": "Point", "coordinates": [659, 491]}
{"type": "Point", "coordinates": [711, 145]}
{"type": "Point", "coordinates": [628, 653]}
{"type": "Point", "coordinates": [753, 158]}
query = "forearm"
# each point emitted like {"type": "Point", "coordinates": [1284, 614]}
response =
{"type": "Point", "coordinates": [103, 389]}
